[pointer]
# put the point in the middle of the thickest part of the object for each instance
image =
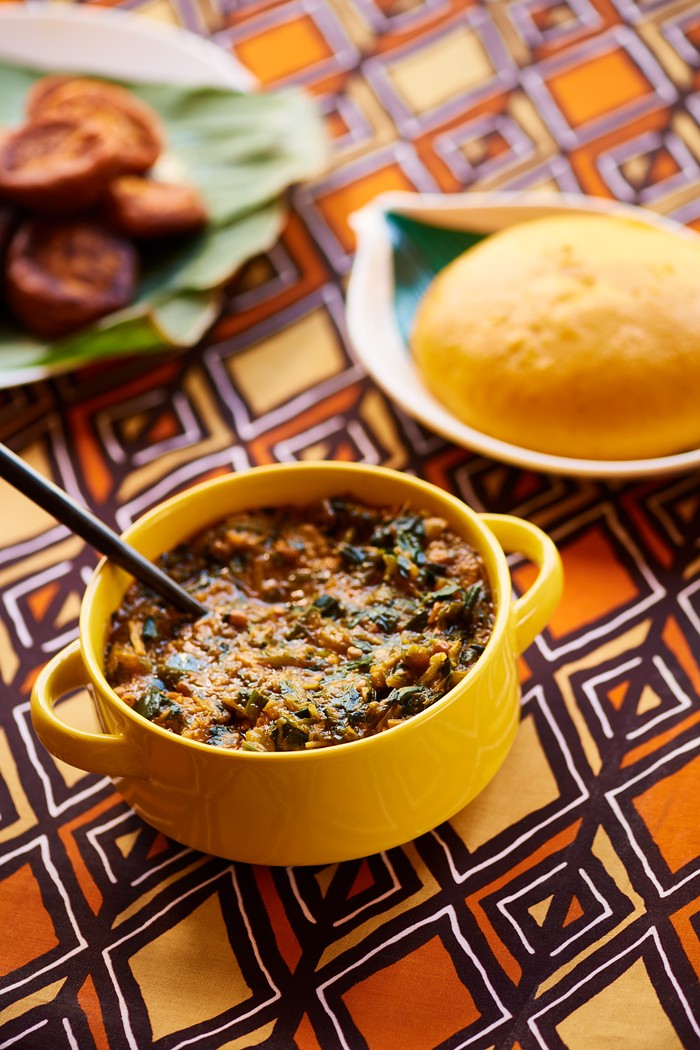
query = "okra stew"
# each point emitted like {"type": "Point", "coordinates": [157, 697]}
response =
{"type": "Point", "coordinates": [329, 623]}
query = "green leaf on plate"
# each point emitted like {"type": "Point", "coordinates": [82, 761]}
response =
{"type": "Point", "coordinates": [184, 319]}
{"type": "Point", "coordinates": [241, 151]}
{"type": "Point", "coordinates": [209, 260]}
{"type": "Point", "coordinates": [128, 331]}
{"type": "Point", "coordinates": [420, 251]}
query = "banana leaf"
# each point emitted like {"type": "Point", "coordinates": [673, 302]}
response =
{"type": "Point", "coordinates": [241, 151]}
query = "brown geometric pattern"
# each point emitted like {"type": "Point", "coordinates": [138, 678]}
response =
{"type": "Point", "coordinates": [562, 907]}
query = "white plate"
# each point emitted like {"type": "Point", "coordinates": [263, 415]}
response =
{"type": "Point", "coordinates": [112, 44]}
{"type": "Point", "coordinates": [375, 333]}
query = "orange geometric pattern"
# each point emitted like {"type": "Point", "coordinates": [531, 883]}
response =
{"type": "Point", "coordinates": [668, 809]}
{"type": "Point", "coordinates": [561, 908]}
{"type": "Point", "coordinates": [284, 50]}
{"type": "Point", "coordinates": [426, 979]}
{"type": "Point", "coordinates": [21, 892]}
{"type": "Point", "coordinates": [597, 87]}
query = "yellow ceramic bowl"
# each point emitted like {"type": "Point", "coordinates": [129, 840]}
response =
{"type": "Point", "coordinates": [329, 804]}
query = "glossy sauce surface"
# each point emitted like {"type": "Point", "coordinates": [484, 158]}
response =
{"type": "Point", "coordinates": [329, 623]}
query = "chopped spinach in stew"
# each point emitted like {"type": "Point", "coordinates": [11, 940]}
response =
{"type": "Point", "coordinates": [328, 623]}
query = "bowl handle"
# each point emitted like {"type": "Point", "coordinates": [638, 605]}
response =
{"type": "Point", "coordinates": [109, 754]}
{"type": "Point", "coordinates": [534, 609]}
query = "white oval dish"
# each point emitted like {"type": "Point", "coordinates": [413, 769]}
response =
{"type": "Point", "coordinates": [377, 339]}
{"type": "Point", "coordinates": [115, 44]}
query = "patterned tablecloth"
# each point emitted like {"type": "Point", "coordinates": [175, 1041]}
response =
{"type": "Point", "coordinates": [560, 909]}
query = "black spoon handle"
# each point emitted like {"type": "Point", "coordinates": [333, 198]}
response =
{"type": "Point", "coordinates": [84, 523]}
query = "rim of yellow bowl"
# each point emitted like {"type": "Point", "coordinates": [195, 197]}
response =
{"type": "Point", "coordinates": [500, 588]}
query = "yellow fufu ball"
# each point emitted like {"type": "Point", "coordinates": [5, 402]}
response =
{"type": "Point", "coordinates": [575, 335]}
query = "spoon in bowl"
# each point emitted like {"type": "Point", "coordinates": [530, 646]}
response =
{"type": "Point", "coordinates": [84, 523]}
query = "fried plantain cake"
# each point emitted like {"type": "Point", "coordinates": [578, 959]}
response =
{"type": "Point", "coordinates": [133, 127]}
{"type": "Point", "coordinates": [40, 91]}
{"type": "Point", "coordinates": [61, 276]}
{"type": "Point", "coordinates": [55, 166]}
{"type": "Point", "coordinates": [142, 209]}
